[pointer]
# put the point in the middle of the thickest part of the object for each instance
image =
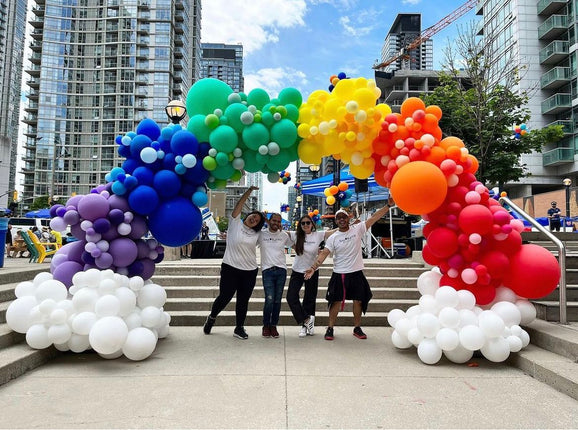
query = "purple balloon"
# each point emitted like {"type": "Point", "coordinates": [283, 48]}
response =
{"type": "Point", "coordinates": [93, 206]}
{"type": "Point", "coordinates": [78, 232]}
{"type": "Point", "coordinates": [58, 224]}
{"type": "Point", "coordinates": [143, 249]}
{"type": "Point", "coordinates": [118, 202]}
{"type": "Point", "coordinates": [57, 260]}
{"type": "Point", "coordinates": [104, 261]}
{"type": "Point", "coordinates": [87, 258]}
{"type": "Point", "coordinates": [71, 217]}
{"type": "Point", "coordinates": [75, 251]}
{"type": "Point", "coordinates": [139, 227]}
{"type": "Point", "coordinates": [53, 210]}
{"type": "Point", "coordinates": [135, 269]}
{"type": "Point", "coordinates": [110, 235]}
{"type": "Point", "coordinates": [148, 268]}
{"type": "Point", "coordinates": [65, 271]}
{"type": "Point", "coordinates": [124, 251]}
{"type": "Point", "coordinates": [73, 201]}
{"type": "Point", "coordinates": [116, 216]}
{"type": "Point", "coordinates": [101, 225]}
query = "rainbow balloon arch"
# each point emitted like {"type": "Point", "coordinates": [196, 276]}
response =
{"type": "Point", "coordinates": [98, 294]}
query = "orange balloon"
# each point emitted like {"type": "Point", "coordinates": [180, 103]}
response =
{"type": "Point", "coordinates": [453, 153]}
{"type": "Point", "coordinates": [436, 156]}
{"type": "Point", "coordinates": [343, 186]}
{"type": "Point", "coordinates": [316, 212]}
{"type": "Point", "coordinates": [452, 141]}
{"type": "Point", "coordinates": [419, 187]}
{"type": "Point", "coordinates": [434, 110]}
{"type": "Point", "coordinates": [475, 164]}
{"type": "Point", "coordinates": [430, 122]}
{"type": "Point", "coordinates": [410, 105]}
{"type": "Point", "coordinates": [333, 189]}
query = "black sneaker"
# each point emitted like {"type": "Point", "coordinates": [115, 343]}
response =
{"type": "Point", "coordinates": [209, 324]}
{"type": "Point", "coordinates": [358, 333]}
{"type": "Point", "coordinates": [329, 333]}
{"type": "Point", "coordinates": [240, 333]}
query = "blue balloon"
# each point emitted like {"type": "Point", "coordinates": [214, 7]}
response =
{"type": "Point", "coordinates": [124, 151]}
{"type": "Point", "coordinates": [168, 162]}
{"type": "Point", "coordinates": [184, 142]}
{"type": "Point", "coordinates": [342, 75]}
{"type": "Point", "coordinates": [149, 128]}
{"type": "Point", "coordinates": [200, 199]}
{"type": "Point", "coordinates": [204, 148]}
{"type": "Point", "coordinates": [144, 175]}
{"type": "Point", "coordinates": [138, 144]}
{"type": "Point", "coordinates": [143, 200]}
{"type": "Point", "coordinates": [130, 182]}
{"type": "Point", "coordinates": [175, 222]}
{"type": "Point", "coordinates": [166, 183]}
{"type": "Point", "coordinates": [118, 188]}
{"type": "Point", "coordinates": [187, 190]}
{"type": "Point", "coordinates": [129, 165]}
{"type": "Point", "coordinates": [118, 140]}
{"type": "Point", "coordinates": [167, 133]}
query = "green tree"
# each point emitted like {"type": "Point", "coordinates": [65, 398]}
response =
{"type": "Point", "coordinates": [39, 203]}
{"type": "Point", "coordinates": [482, 103]}
{"type": "Point", "coordinates": [223, 223]}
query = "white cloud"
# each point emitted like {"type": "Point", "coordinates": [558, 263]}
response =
{"type": "Point", "coordinates": [340, 4]}
{"type": "Point", "coordinates": [273, 80]}
{"type": "Point", "coordinates": [252, 23]}
{"type": "Point", "coordinates": [413, 2]}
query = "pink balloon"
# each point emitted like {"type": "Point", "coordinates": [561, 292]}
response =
{"type": "Point", "coordinates": [469, 276]}
{"type": "Point", "coordinates": [476, 219]}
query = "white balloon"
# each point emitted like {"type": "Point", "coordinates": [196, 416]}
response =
{"type": "Point", "coordinates": [78, 343]}
{"type": "Point", "coordinates": [428, 324]}
{"type": "Point", "coordinates": [427, 303]}
{"type": "Point", "coordinates": [51, 289]}
{"type": "Point", "coordinates": [148, 155]}
{"type": "Point", "coordinates": [133, 320]}
{"type": "Point", "coordinates": [18, 314]}
{"type": "Point", "coordinates": [447, 339]}
{"type": "Point", "coordinates": [135, 283]}
{"type": "Point", "coordinates": [46, 306]}
{"type": "Point", "coordinates": [107, 306]}
{"type": "Point", "coordinates": [525, 338]}
{"type": "Point", "coordinates": [394, 316]}
{"type": "Point", "coordinates": [163, 332]}
{"type": "Point", "coordinates": [107, 286]}
{"type": "Point", "coordinates": [429, 352]}
{"type": "Point", "coordinates": [504, 294]}
{"type": "Point", "coordinates": [92, 278]}
{"type": "Point", "coordinates": [108, 335]}
{"type": "Point", "coordinates": [515, 343]}
{"type": "Point", "coordinates": [37, 337]}
{"type": "Point", "coordinates": [403, 326]}
{"type": "Point", "coordinates": [41, 277]}
{"type": "Point", "coordinates": [471, 337]}
{"type": "Point", "coordinates": [400, 341]}
{"type": "Point", "coordinates": [491, 324]}
{"type": "Point", "coordinates": [127, 300]}
{"type": "Point", "coordinates": [466, 300]}
{"type": "Point", "coordinates": [459, 354]}
{"type": "Point", "coordinates": [59, 333]}
{"type": "Point", "coordinates": [66, 306]}
{"type": "Point", "coordinates": [62, 347]}
{"type": "Point", "coordinates": [527, 311]}
{"type": "Point", "coordinates": [25, 288]}
{"type": "Point", "coordinates": [428, 282]}
{"type": "Point", "coordinates": [58, 316]}
{"type": "Point", "coordinates": [83, 322]}
{"type": "Point", "coordinates": [415, 336]}
{"type": "Point", "coordinates": [140, 344]}
{"type": "Point", "coordinates": [516, 330]}
{"type": "Point", "coordinates": [85, 299]}
{"type": "Point", "coordinates": [496, 349]}
{"type": "Point", "coordinates": [112, 356]}
{"type": "Point", "coordinates": [509, 312]}
{"type": "Point", "coordinates": [449, 317]}
{"type": "Point", "coordinates": [151, 295]}
{"type": "Point", "coordinates": [446, 297]}
{"type": "Point", "coordinates": [150, 316]}
{"type": "Point", "coordinates": [413, 311]}
{"type": "Point", "coordinates": [78, 279]}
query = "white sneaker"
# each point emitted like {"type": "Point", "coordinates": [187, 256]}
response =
{"type": "Point", "coordinates": [303, 331]}
{"type": "Point", "coordinates": [311, 325]}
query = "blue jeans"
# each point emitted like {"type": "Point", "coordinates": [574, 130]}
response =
{"type": "Point", "coordinates": [273, 282]}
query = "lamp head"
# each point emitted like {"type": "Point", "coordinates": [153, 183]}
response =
{"type": "Point", "coordinates": [567, 182]}
{"type": "Point", "coordinates": [176, 111]}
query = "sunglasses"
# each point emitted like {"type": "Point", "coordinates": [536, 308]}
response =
{"type": "Point", "coordinates": [305, 222]}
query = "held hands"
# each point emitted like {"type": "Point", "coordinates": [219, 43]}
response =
{"type": "Point", "coordinates": [309, 273]}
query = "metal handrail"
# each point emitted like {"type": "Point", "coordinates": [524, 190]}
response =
{"type": "Point", "coordinates": [561, 255]}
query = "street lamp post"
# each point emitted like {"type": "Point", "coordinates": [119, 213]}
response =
{"type": "Point", "coordinates": [567, 182]}
{"type": "Point", "coordinates": [176, 111]}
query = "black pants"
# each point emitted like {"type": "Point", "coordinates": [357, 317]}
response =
{"type": "Point", "coordinates": [302, 311]}
{"type": "Point", "coordinates": [555, 225]}
{"type": "Point", "coordinates": [234, 281]}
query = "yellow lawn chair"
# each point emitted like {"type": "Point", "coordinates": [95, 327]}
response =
{"type": "Point", "coordinates": [57, 238]}
{"type": "Point", "coordinates": [43, 248]}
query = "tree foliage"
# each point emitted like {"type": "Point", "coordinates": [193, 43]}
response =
{"type": "Point", "coordinates": [483, 109]}
{"type": "Point", "coordinates": [39, 203]}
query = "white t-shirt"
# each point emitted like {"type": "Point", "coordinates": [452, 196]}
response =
{"type": "Point", "coordinates": [346, 249]}
{"type": "Point", "coordinates": [241, 250]}
{"type": "Point", "coordinates": [273, 248]}
{"type": "Point", "coordinates": [310, 250]}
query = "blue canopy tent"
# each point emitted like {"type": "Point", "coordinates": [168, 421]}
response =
{"type": "Point", "coordinates": [375, 192]}
{"type": "Point", "coordinates": [40, 213]}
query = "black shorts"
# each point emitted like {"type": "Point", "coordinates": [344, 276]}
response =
{"type": "Point", "coordinates": [349, 286]}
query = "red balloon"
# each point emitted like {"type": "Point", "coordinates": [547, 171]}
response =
{"type": "Point", "coordinates": [496, 262]}
{"type": "Point", "coordinates": [455, 283]}
{"type": "Point", "coordinates": [476, 219]}
{"type": "Point", "coordinates": [484, 293]}
{"type": "Point", "coordinates": [443, 242]}
{"type": "Point", "coordinates": [428, 257]}
{"type": "Point", "coordinates": [534, 272]}
{"type": "Point", "coordinates": [510, 245]}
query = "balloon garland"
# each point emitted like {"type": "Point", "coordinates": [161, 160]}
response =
{"type": "Point", "coordinates": [519, 131]}
{"type": "Point", "coordinates": [338, 193]}
{"type": "Point", "coordinates": [315, 217]}
{"type": "Point", "coordinates": [285, 208]}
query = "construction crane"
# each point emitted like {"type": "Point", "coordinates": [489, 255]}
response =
{"type": "Point", "coordinates": [429, 32]}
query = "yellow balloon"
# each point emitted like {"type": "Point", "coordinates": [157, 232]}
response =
{"type": "Point", "coordinates": [344, 89]}
{"type": "Point", "coordinates": [303, 130]}
{"type": "Point", "coordinates": [365, 98]}
{"type": "Point", "coordinates": [330, 200]}
{"type": "Point", "coordinates": [308, 152]}
{"type": "Point", "coordinates": [383, 109]}
{"type": "Point", "coordinates": [327, 192]}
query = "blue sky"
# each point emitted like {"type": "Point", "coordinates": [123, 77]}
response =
{"type": "Point", "coordinates": [298, 43]}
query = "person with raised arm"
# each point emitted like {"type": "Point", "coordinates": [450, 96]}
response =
{"type": "Point", "coordinates": [239, 267]}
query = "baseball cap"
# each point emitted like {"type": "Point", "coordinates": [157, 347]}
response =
{"type": "Point", "coordinates": [341, 211]}
{"type": "Point", "coordinates": [553, 203]}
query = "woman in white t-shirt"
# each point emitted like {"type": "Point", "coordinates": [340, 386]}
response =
{"type": "Point", "coordinates": [306, 241]}
{"type": "Point", "coordinates": [239, 267]}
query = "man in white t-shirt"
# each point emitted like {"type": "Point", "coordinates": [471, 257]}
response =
{"type": "Point", "coordinates": [272, 242]}
{"type": "Point", "coordinates": [347, 280]}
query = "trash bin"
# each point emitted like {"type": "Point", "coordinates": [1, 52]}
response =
{"type": "Point", "coordinates": [3, 230]}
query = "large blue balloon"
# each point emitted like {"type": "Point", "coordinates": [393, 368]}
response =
{"type": "Point", "coordinates": [144, 175]}
{"type": "Point", "coordinates": [149, 128]}
{"type": "Point", "coordinates": [166, 183]}
{"type": "Point", "coordinates": [138, 143]}
{"type": "Point", "coordinates": [184, 142]}
{"type": "Point", "coordinates": [175, 222]}
{"type": "Point", "coordinates": [143, 200]}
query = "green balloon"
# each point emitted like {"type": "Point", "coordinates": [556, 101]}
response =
{"type": "Point", "coordinates": [243, 96]}
{"type": "Point", "coordinates": [256, 135]}
{"type": "Point", "coordinates": [233, 114]}
{"type": "Point", "coordinates": [219, 184]}
{"type": "Point", "coordinates": [267, 119]}
{"type": "Point", "coordinates": [293, 153]}
{"type": "Point", "coordinates": [292, 112]}
{"type": "Point", "coordinates": [212, 121]}
{"type": "Point", "coordinates": [198, 127]}
{"type": "Point", "coordinates": [280, 161]}
{"type": "Point", "coordinates": [262, 159]}
{"type": "Point", "coordinates": [236, 175]}
{"type": "Point", "coordinates": [223, 172]}
{"type": "Point", "coordinates": [258, 97]}
{"type": "Point", "coordinates": [251, 163]}
{"type": "Point", "coordinates": [209, 163]}
{"type": "Point", "coordinates": [290, 96]}
{"type": "Point", "coordinates": [223, 138]}
{"type": "Point", "coordinates": [284, 132]}
{"type": "Point", "coordinates": [222, 159]}
{"type": "Point", "coordinates": [206, 95]}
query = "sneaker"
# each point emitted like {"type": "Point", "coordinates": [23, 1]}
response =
{"type": "Point", "coordinates": [303, 331]}
{"type": "Point", "coordinates": [240, 333]}
{"type": "Point", "coordinates": [274, 332]}
{"type": "Point", "coordinates": [209, 324]}
{"type": "Point", "coordinates": [311, 325]}
{"type": "Point", "coordinates": [358, 333]}
{"type": "Point", "coordinates": [329, 333]}
{"type": "Point", "coordinates": [266, 332]}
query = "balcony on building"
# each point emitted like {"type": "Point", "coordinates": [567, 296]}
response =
{"type": "Point", "coordinates": [144, 4]}
{"type": "Point", "coordinates": [548, 7]}
{"type": "Point", "coordinates": [554, 52]}
{"type": "Point", "coordinates": [37, 22]}
{"type": "Point", "coordinates": [480, 27]}
{"type": "Point", "coordinates": [558, 156]}
{"type": "Point", "coordinates": [179, 5]}
{"type": "Point", "coordinates": [31, 107]}
{"type": "Point", "coordinates": [179, 29]}
{"type": "Point", "coordinates": [555, 78]}
{"type": "Point", "coordinates": [112, 3]}
{"type": "Point", "coordinates": [567, 126]}
{"type": "Point", "coordinates": [553, 27]}
{"type": "Point", "coordinates": [556, 104]}
{"type": "Point", "coordinates": [37, 34]}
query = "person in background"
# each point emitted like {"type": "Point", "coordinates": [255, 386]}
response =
{"type": "Point", "coordinates": [8, 240]}
{"type": "Point", "coordinates": [205, 231]}
{"type": "Point", "coordinates": [347, 280]}
{"type": "Point", "coordinates": [37, 232]}
{"type": "Point", "coordinates": [554, 217]}
{"type": "Point", "coordinates": [239, 267]}
{"type": "Point", "coordinates": [306, 241]}
{"type": "Point", "coordinates": [272, 242]}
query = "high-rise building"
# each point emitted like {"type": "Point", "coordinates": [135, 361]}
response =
{"type": "Point", "coordinates": [405, 29]}
{"type": "Point", "coordinates": [98, 67]}
{"type": "Point", "coordinates": [225, 62]}
{"type": "Point", "coordinates": [12, 35]}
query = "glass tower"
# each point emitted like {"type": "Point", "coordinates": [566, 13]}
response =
{"type": "Point", "coordinates": [98, 67]}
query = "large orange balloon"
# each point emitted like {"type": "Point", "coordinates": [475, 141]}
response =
{"type": "Point", "coordinates": [410, 105]}
{"type": "Point", "coordinates": [419, 187]}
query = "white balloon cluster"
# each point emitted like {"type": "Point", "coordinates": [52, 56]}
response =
{"type": "Point", "coordinates": [108, 312]}
{"type": "Point", "coordinates": [449, 322]}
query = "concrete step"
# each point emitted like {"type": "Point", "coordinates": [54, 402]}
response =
{"type": "Point", "coordinates": [571, 294]}
{"type": "Point", "coordinates": [550, 310]}
{"type": "Point", "coordinates": [7, 292]}
{"type": "Point", "coordinates": [255, 318]}
{"type": "Point", "coordinates": [9, 337]}
{"type": "Point", "coordinates": [557, 338]}
{"type": "Point", "coordinates": [3, 308]}
{"type": "Point", "coordinates": [256, 304]}
{"type": "Point", "coordinates": [17, 359]}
